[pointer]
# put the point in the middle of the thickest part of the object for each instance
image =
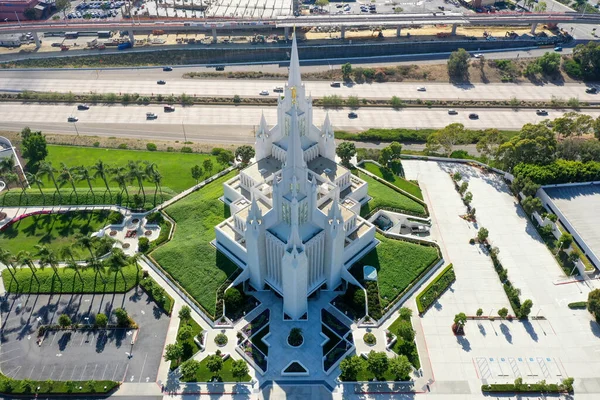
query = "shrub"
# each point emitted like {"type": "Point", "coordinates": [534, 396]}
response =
{"type": "Point", "coordinates": [233, 300]}
{"type": "Point", "coordinates": [237, 99]}
{"type": "Point", "coordinates": [369, 338]}
{"type": "Point", "coordinates": [143, 244]}
{"type": "Point", "coordinates": [64, 321]}
{"type": "Point", "coordinates": [186, 331]}
{"type": "Point", "coordinates": [96, 144]}
{"type": "Point", "coordinates": [295, 337]}
{"type": "Point", "coordinates": [578, 305]}
{"type": "Point", "coordinates": [186, 149]}
{"type": "Point", "coordinates": [115, 218]}
{"type": "Point", "coordinates": [221, 339]}
{"type": "Point", "coordinates": [503, 312]}
{"type": "Point", "coordinates": [593, 303]}
{"type": "Point", "coordinates": [155, 218]}
{"type": "Point", "coordinates": [101, 320]}
{"type": "Point", "coordinates": [151, 147]}
{"type": "Point", "coordinates": [482, 234]}
{"type": "Point", "coordinates": [435, 289]}
{"type": "Point", "coordinates": [185, 313]}
{"type": "Point", "coordinates": [122, 146]}
{"type": "Point", "coordinates": [122, 317]}
{"type": "Point", "coordinates": [479, 312]}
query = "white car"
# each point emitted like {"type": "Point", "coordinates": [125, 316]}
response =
{"type": "Point", "coordinates": [264, 93]}
{"type": "Point", "coordinates": [421, 89]}
{"type": "Point", "coordinates": [478, 55]}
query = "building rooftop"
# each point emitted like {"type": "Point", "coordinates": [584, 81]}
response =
{"type": "Point", "coordinates": [307, 231]}
{"type": "Point", "coordinates": [305, 142]}
{"type": "Point", "coordinates": [326, 168]}
{"type": "Point", "coordinates": [262, 169]}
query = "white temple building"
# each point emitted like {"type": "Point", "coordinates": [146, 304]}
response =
{"type": "Point", "coordinates": [295, 226]}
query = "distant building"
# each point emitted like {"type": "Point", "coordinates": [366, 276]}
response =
{"type": "Point", "coordinates": [295, 226]}
{"type": "Point", "coordinates": [10, 40]}
{"type": "Point", "coordinates": [13, 10]}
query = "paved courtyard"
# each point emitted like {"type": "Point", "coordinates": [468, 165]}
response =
{"type": "Point", "coordinates": [565, 344]}
{"type": "Point", "coordinates": [79, 355]}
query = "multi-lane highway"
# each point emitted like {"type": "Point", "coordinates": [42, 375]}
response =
{"type": "Point", "coordinates": [230, 124]}
{"type": "Point", "coordinates": [144, 82]}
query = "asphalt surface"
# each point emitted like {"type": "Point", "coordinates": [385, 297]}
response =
{"type": "Point", "coordinates": [144, 82]}
{"type": "Point", "coordinates": [231, 124]}
{"type": "Point", "coordinates": [79, 355]}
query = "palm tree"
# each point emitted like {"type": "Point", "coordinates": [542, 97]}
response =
{"type": "Point", "coordinates": [117, 260]}
{"type": "Point", "coordinates": [66, 177]}
{"type": "Point", "coordinates": [7, 165]}
{"type": "Point", "coordinates": [136, 172]}
{"type": "Point", "coordinates": [156, 178]}
{"type": "Point", "coordinates": [72, 264]}
{"type": "Point", "coordinates": [8, 259]}
{"type": "Point", "coordinates": [101, 171]}
{"type": "Point", "coordinates": [36, 179]}
{"type": "Point", "coordinates": [25, 259]}
{"type": "Point", "coordinates": [47, 257]}
{"type": "Point", "coordinates": [67, 253]}
{"type": "Point", "coordinates": [121, 180]}
{"type": "Point", "coordinates": [87, 243]}
{"type": "Point", "coordinates": [10, 177]}
{"type": "Point", "coordinates": [83, 174]}
{"type": "Point", "coordinates": [47, 170]}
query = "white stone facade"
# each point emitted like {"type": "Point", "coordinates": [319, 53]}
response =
{"type": "Point", "coordinates": [295, 224]}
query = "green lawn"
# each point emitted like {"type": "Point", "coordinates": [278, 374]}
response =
{"type": "Point", "coordinates": [53, 231]}
{"type": "Point", "coordinates": [398, 263]}
{"type": "Point", "coordinates": [175, 167]}
{"type": "Point", "coordinates": [408, 348]}
{"type": "Point", "coordinates": [204, 375]}
{"type": "Point", "coordinates": [395, 180]}
{"type": "Point", "coordinates": [383, 196]}
{"type": "Point", "coordinates": [189, 257]}
{"type": "Point", "coordinates": [189, 346]}
{"type": "Point", "coordinates": [71, 282]}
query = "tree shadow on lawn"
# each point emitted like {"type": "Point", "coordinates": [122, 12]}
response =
{"type": "Point", "coordinates": [506, 332]}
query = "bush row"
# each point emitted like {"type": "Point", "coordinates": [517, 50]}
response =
{"type": "Point", "coordinates": [578, 305]}
{"type": "Point", "coordinates": [511, 292]}
{"type": "Point", "coordinates": [435, 289]}
{"type": "Point", "coordinates": [373, 301]}
{"type": "Point", "coordinates": [560, 171]}
{"type": "Point", "coordinates": [157, 293]}
{"type": "Point", "coordinates": [29, 387]}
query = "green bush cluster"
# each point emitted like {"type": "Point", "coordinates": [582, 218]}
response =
{"type": "Point", "coordinates": [560, 171]}
{"type": "Point", "coordinates": [373, 302]}
{"type": "Point", "coordinates": [577, 305]}
{"type": "Point", "coordinates": [29, 387]}
{"type": "Point", "coordinates": [435, 289]}
{"type": "Point", "coordinates": [512, 292]}
{"type": "Point", "coordinates": [158, 294]}
{"type": "Point", "coordinates": [405, 337]}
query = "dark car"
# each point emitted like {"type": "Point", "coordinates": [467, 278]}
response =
{"type": "Point", "coordinates": [473, 116]}
{"type": "Point", "coordinates": [83, 107]}
{"type": "Point", "coordinates": [220, 68]}
{"type": "Point", "coordinates": [541, 112]}
{"type": "Point", "coordinates": [352, 115]}
{"type": "Point", "coordinates": [167, 69]}
{"type": "Point", "coordinates": [591, 90]}
{"type": "Point", "coordinates": [161, 82]}
{"type": "Point", "coordinates": [72, 119]}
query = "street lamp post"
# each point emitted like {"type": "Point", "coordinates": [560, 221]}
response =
{"type": "Point", "coordinates": [76, 130]}
{"type": "Point", "coordinates": [18, 20]}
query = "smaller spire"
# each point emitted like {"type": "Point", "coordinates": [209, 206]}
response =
{"type": "Point", "coordinates": [262, 127]}
{"type": "Point", "coordinates": [327, 127]}
{"type": "Point", "coordinates": [294, 242]}
{"type": "Point", "coordinates": [335, 213]}
{"type": "Point", "coordinates": [254, 213]}
{"type": "Point", "coordinates": [294, 79]}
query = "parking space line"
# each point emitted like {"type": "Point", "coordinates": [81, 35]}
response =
{"type": "Point", "coordinates": [10, 359]}
{"type": "Point", "coordinates": [52, 373]}
{"type": "Point", "coordinates": [42, 373]}
{"type": "Point", "coordinates": [94, 373]}
{"type": "Point", "coordinates": [13, 372]}
{"type": "Point", "coordinates": [114, 373]}
{"type": "Point", "coordinates": [83, 372]}
{"type": "Point", "coordinates": [31, 372]}
{"type": "Point", "coordinates": [54, 335]}
{"type": "Point", "coordinates": [72, 372]}
{"type": "Point", "coordinates": [6, 352]}
{"type": "Point", "coordinates": [533, 370]}
{"type": "Point", "coordinates": [514, 367]}
{"type": "Point", "coordinates": [553, 367]}
{"type": "Point", "coordinates": [104, 371]}
{"type": "Point", "coordinates": [61, 374]}
{"type": "Point", "coordinates": [543, 367]}
{"type": "Point", "coordinates": [82, 339]}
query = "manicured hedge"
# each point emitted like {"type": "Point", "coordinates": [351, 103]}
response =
{"type": "Point", "coordinates": [578, 305]}
{"type": "Point", "coordinates": [158, 294]}
{"type": "Point", "coordinates": [560, 171]}
{"type": "Point", "coordinates": [532, 388]}
{"type": "Point", "coordinates": [435, 289]}
{"type": "Point", "coordinates": [28, 387]}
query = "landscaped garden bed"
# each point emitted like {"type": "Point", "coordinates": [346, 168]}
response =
{"type": "Point", "coordinates": [405, 337]}
{"type": "Point", "coordinates": [257, 323]}
{"type": "Point", "coordinates": [351, 303]}
{"type": "Point", "coordinates": [224, 375]}
{"type": "Point", "coordinates": [189, 345]}
{"type": "Point", "coordinates": [257, 340]}
{"type": "Point", "coordinates": [333, 323]}
{"type": "Point", "coordinates": [189, 258]}
{"type": "Point", "coordinates": [395, 180]}
{"type": "Point", "coordinates": [29, 388]}
{"type": "Point", "coordinates": [335, 354]}
{"type": "Point", "coordinates": [257, 356]}
{"type": "Point", "coordinates": [435, 289]}
{"type": "Point", "coordinates": [157, 293]}
{"type": "Point", "coordinates": [333, 339]}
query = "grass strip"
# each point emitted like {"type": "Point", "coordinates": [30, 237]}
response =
{"type": "Point", "coordinates": [435, 289]}
{"type": "Point", "coordinates": [395, 180]}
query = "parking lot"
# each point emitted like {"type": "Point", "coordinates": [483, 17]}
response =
{"type": "Point", "coordinates": [81, 355]}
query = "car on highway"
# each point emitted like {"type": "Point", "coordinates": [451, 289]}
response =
{"type": "Point", "coordinates": [167, 69]}
{"type": "Point", "coordinates": [151, 116]}
{"type": "Point", "coordinates": [541, 112]}
{"type": "Point", "coordinates": [169, 108]}
{"type": "Point", "coordinates": [161, 82]}
{"type": "Point", "coordinates": [278, 89]}
{"type": "Point", "coordinates": [352, 115]}
{"type": "Point", "coordinates": [478, 55]}
{"type": "Point", "coordinates": [558, 48]}
{"type": "Point", "coordinates": [72, 119]}
{"type": "Point", "coordinates": [452, 112]}
{"type": "Point", "coordinates": [335, 84]}
{"type": "Point", "coordinates": [83, 107]}
{"type": "Point", "coordinates": [421, 89]}
{"type": "Point", "coordinates": [591, 90]}
{"type": "Point", "coordinates": [264, 93]}
{"type": "Point", "coordinates": [220, 68]}
{"type": "Point", "coordinates": [473, 116]}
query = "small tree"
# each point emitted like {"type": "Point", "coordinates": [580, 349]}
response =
{"type": "Point", "coordinates": [405, 313]}
{"type": "Point", "coordinates": [482, 234]}
{"type": "Point", "coordinates": [239, 369]}
{"type": "Point", "coordinates": [463, 187]}
{"type": "Point", "coordinates": [347, 67]}
{"type": "Point", "coordinates": [503, 312]}
{"type": "Point", "coordinates": [244, 154]}
{"type": "Point", "coordinates": [350, 367]}
{"type": "Point", "coordinates": [458, 65]}
{"type": "Point", "coordinates": [101, 320]}
{"type": "Point", "coordinates": [33, 146]}
{"type": "Point", "coordinates": [468, 198]}
{"type": "Point", "coordinates": [460, 320]}
{"type": "Point", "coordinates": [345, 151]}
{"type": "Point", "coordinates": [377, 363]}
{"type": "Point", "coordinates": [565, 241]}
{"type": "Point", "coordinates": [188, 369]}
{"type": "Point", "coordinates": [214, 363]}
{"type": "Point", "coordinates": [208, 165]}
{"type": "Point", "coordinates": [122, 317]}
{"type": "Point", "coordinates": [173, 352]}
{"type": "Point", "coordinates": [185, 332]}
{"type": "Point", "coordinates": [197, 173]}
{"type": "Point", "coordinates": [456, 176]}
{"type": "Point", "coordinates": [593, 303]}
{"type": "Point", "coordinates": [185, 313]}
{"type": "Point", "coordinates": [400, 367]}
{"type": "Point", "coordinates": [567, 384]}
{"type": "Point", "coordinates": [64, 321]}
{"type": "Point", "coordinates": [233, 299]}
{"type": "Point", "coordinates": [479, 312]}
{"type": "Point", "coordinates": [295, 337]}
{"type": "Point", "coordinates": [526, 308]}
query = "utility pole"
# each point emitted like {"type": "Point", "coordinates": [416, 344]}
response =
{"type": "Point", "coordinates": [184, 135]}
{"type": "Point", "coordinates": [18, 20]}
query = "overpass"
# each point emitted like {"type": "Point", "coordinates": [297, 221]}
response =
{"type": "Point", "coordinates": [343, 21]}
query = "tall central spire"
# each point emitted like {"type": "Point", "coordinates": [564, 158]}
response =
{"type": "Point", "coordinates": [294, 79]}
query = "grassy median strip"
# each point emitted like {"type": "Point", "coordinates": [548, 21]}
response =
{"type": "Point", "coordinates": [31, 388]}
{"type": "Point", "coordinates": [189, 256]}
{"type": "Point", "coordinates": [67, 280]}
{"type": "Point", "coordinates": [435, 289]}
